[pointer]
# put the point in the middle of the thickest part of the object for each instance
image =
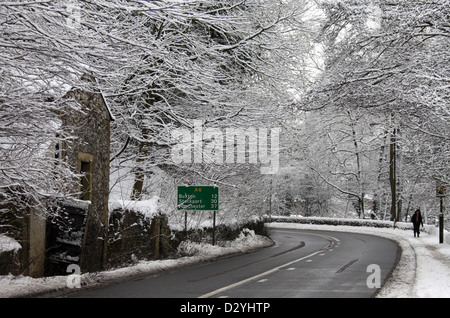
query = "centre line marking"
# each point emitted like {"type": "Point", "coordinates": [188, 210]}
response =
{"type": "Point", "coordinates": [262, 280]}
{"type": "Point", "coordinates": [270, 271]}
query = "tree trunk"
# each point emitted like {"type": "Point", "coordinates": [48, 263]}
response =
{"type": "Point", "coordinates": [398, 176]}
{"type": "Point", "coordinates": [144, 147]}
{"type": "Point", "coordinates": [140, 171]}
{"type": "Point", "coordinates": [358, 165]}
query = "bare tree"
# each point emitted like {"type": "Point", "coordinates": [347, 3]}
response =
{"type": "Point", "coordinates": [390, 58]}
{"type": "Point", "coordinates": [161, 65]}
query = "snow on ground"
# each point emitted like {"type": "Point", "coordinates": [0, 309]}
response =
{"type": "Point", "coordinates": [423, 269]}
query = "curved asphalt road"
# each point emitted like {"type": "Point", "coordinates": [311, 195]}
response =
{"type": "Point", "coordinates": [301, 264]}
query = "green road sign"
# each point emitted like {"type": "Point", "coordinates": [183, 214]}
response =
{"type": "Point", "coordinates": [198, 198]}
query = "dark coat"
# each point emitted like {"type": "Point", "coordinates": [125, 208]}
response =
{"type": "Point", "coordinates": [417, 219]}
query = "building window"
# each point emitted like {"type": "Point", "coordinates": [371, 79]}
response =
{"type": "Point", "coordinates": [85, 162]}
{"type": "Point", "coordinates": [59, 148]}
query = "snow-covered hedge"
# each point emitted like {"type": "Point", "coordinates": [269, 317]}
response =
{"type": "Point", "coordinates": [430, 229]}
{"type": "Point", "coordinates": [343, 221]}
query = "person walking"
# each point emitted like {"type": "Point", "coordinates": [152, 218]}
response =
{"type": "Point", "coordinates": [416, 220]}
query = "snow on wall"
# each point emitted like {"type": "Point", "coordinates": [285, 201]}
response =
{"type": "Point", "coordinates": [147, 208]}
{"type": "Point", "coordinates": [8, 244]}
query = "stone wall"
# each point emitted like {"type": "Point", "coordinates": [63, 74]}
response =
{"type": "Point", "coordinates": [22, 225]}
{"type": "Point", "coordinates": [133, 237]}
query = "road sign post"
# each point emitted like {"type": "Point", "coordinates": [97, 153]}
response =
{"type": "Point", "coordinates": [198, 198]}
{"type": "Point", "coordinates": [441, 191]}
{"type": "Point", "coordinates": [441, 226]}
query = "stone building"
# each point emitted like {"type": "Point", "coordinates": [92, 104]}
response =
{"type": "Point", "coordinates": [89, 154]}
{"type": "Point", "coordinates": [41, 246]}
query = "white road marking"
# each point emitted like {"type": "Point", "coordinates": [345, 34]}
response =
{"type": "Point", "coordinates": [270, 271]}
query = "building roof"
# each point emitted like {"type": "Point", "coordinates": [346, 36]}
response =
{"type": "Point", "coordinates": [90, 78]}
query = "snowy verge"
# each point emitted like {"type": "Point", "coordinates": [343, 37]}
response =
{"type": "Point", "coordinates": [24, 286]}
{"type": "Point", "coordinates": [423, 269]}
